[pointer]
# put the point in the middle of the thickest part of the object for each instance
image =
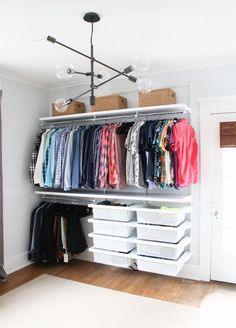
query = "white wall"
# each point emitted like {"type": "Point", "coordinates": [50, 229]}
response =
{"type": "Point", "coordinates": [189, 85]}
{"type": "Point", "coordinates": [22, 105]}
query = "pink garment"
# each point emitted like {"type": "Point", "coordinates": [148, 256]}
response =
{"type": "Point", "coordinates": [186, 148]}
{"type": "Point", "coordinates": [113, 177]}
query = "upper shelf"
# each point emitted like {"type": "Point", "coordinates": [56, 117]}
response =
{"type": "Point", "coordinates": [165, 109]}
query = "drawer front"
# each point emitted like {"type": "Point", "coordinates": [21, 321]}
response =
{"type": "Point", "coordinates": [113, 214]}
{"type": "Point", "coordinates": [172, 253]}
{"type": "Point", "coordinates": [169, 236]}
{"type": "Point", "coordinates": [172, 219]}
{"type": "Point", "coordinates": [112, 260]}
{"type": "Point", "coordinates": [113, 245]}
{"type": "Point", "coordinates": [166, 267]}
{"type": "Point", "coordinates": [113, 230]}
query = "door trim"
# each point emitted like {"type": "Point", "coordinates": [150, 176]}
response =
{"type": "Point", "coordinates": [208, 106]}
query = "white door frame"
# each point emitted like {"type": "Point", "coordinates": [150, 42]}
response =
{"type": "Point", "coordinates": [208, 106]}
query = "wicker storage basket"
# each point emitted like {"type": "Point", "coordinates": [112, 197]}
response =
{"type": "Point", "coordinates": [109, 103]}
{"type": "Point", "coordinates": [75, 107]}
{"type": "Point", "coordinates": [157, 97]}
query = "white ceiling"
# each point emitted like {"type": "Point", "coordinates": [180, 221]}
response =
{"type": "Point", "coordinates": [175, 34]}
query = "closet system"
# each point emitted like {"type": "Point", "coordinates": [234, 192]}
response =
{"type": "Point", "coordinates": [146, 230]}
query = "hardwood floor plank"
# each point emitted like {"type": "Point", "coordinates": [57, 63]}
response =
{"type": "Point", "coordinates": [161, 287]}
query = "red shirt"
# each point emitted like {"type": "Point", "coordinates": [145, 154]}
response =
{"type": "Point", "coordinates": [186, 149]}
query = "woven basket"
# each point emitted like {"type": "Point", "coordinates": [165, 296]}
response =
{"type": "Point", "coordinates": [75, 107]}
{"type": "Point", "coordinates": [157, 97]}
{"type": "Point", "coordinates": [109, 103]}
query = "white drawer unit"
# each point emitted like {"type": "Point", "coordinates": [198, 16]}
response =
{"type": "Point", "coordinates": [118, 244]}
{"type": "Point", "coordinates": [113, 228]}
{"type": "Point", "coordinates": [156, 238]}
{"type": "Point", "coordinates": [168, 217]}
{"type": "Point", "coordinates": [162, 250]}
{"type": "Point", "coordinates": [113, 213]}
{"type": "Point", "coordinates": [162, 233]}
{"type": "Point", "coordinates": [112, 258]}
{"type": "Point", "coordinates": [161, 266]}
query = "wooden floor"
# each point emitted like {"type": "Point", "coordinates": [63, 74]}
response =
{"type": "Point", "coordinates": [135, 282]}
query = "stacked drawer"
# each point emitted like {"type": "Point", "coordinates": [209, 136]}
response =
{"type": "Point", "coordinates": [113, 234]}
{"type": "Point", "coordinates": [162, 240]}
{"type": "Point", "coordinates": [157, 239]}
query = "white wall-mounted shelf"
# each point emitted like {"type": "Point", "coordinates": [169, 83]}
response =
{"type": "Point", "coordinates": [165, 109]}
{"type": "Point", "coordinates": [118, 196]}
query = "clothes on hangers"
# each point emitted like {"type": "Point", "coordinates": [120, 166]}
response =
{"type": "Point", "coordinates": [185, 148]}
{"type": "Point", "coordinates": [144, 154]}
{"type": "Point", "coordinates": [84, 156]}
{"type": "Point", "coordinates": [34, 156]}
{"type": "Point", "coordinates": [56, 232]}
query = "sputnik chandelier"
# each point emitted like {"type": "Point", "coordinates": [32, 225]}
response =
{"type": "Point", "coordinates": [141, 64]}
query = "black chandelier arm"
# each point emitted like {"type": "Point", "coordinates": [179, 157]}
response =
{"type": "Point", "coordinates": [53, 40]}
{"type": "Point", "coordinates": [94, 87]}
{"type": "Point", "coordinates": [131, 78]}
{"type": "Point", "coordinates": [87, 74]}
{"type": "Point", "coordinates": [89, 90]}
{"type": "Point", "coordinates": [81, 73]}
{"type": "Point", "coordinates": [68, 101]}
{"type": "Point", "coordinates": [108, 80]}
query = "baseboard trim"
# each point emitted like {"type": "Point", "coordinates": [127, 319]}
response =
{"type": "Point", "coordinates": [17, 262]}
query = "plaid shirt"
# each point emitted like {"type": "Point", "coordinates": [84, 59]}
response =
{"type": "Point", "coordinates": [34, 156]}
{"type": "Point", "coordinates": [97, 149]}
{"type": "Point", "coordinates": [103, 163]}
{"type": "Point", "coordinates": [113, 177]}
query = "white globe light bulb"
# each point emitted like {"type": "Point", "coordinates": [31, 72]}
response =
{"type": "Point", "coordinates": [60, 105]}
{"type": "Point", "coordinates": [144, 85]}
{"type": "Point", "coordinates": [65, 72]}
{"type": "Point", "coordinates": [37, 33]}
{"type": "Point", "coordinates": [142, 63]}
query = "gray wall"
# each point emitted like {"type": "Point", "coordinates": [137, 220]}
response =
{"type": "Point", "coordinates": [22, 105]}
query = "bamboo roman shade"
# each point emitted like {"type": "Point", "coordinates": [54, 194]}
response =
{"type": "Point", "coordinates": [227, 134]}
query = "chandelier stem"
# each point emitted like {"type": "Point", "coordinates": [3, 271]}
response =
{"type": "Point", "coordinates": [92, 97]}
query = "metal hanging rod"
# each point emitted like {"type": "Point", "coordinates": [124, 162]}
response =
{"type": "Point", "coordinates": [116, 119]}
{"type": "Point", "coordinates": [66, 200]}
